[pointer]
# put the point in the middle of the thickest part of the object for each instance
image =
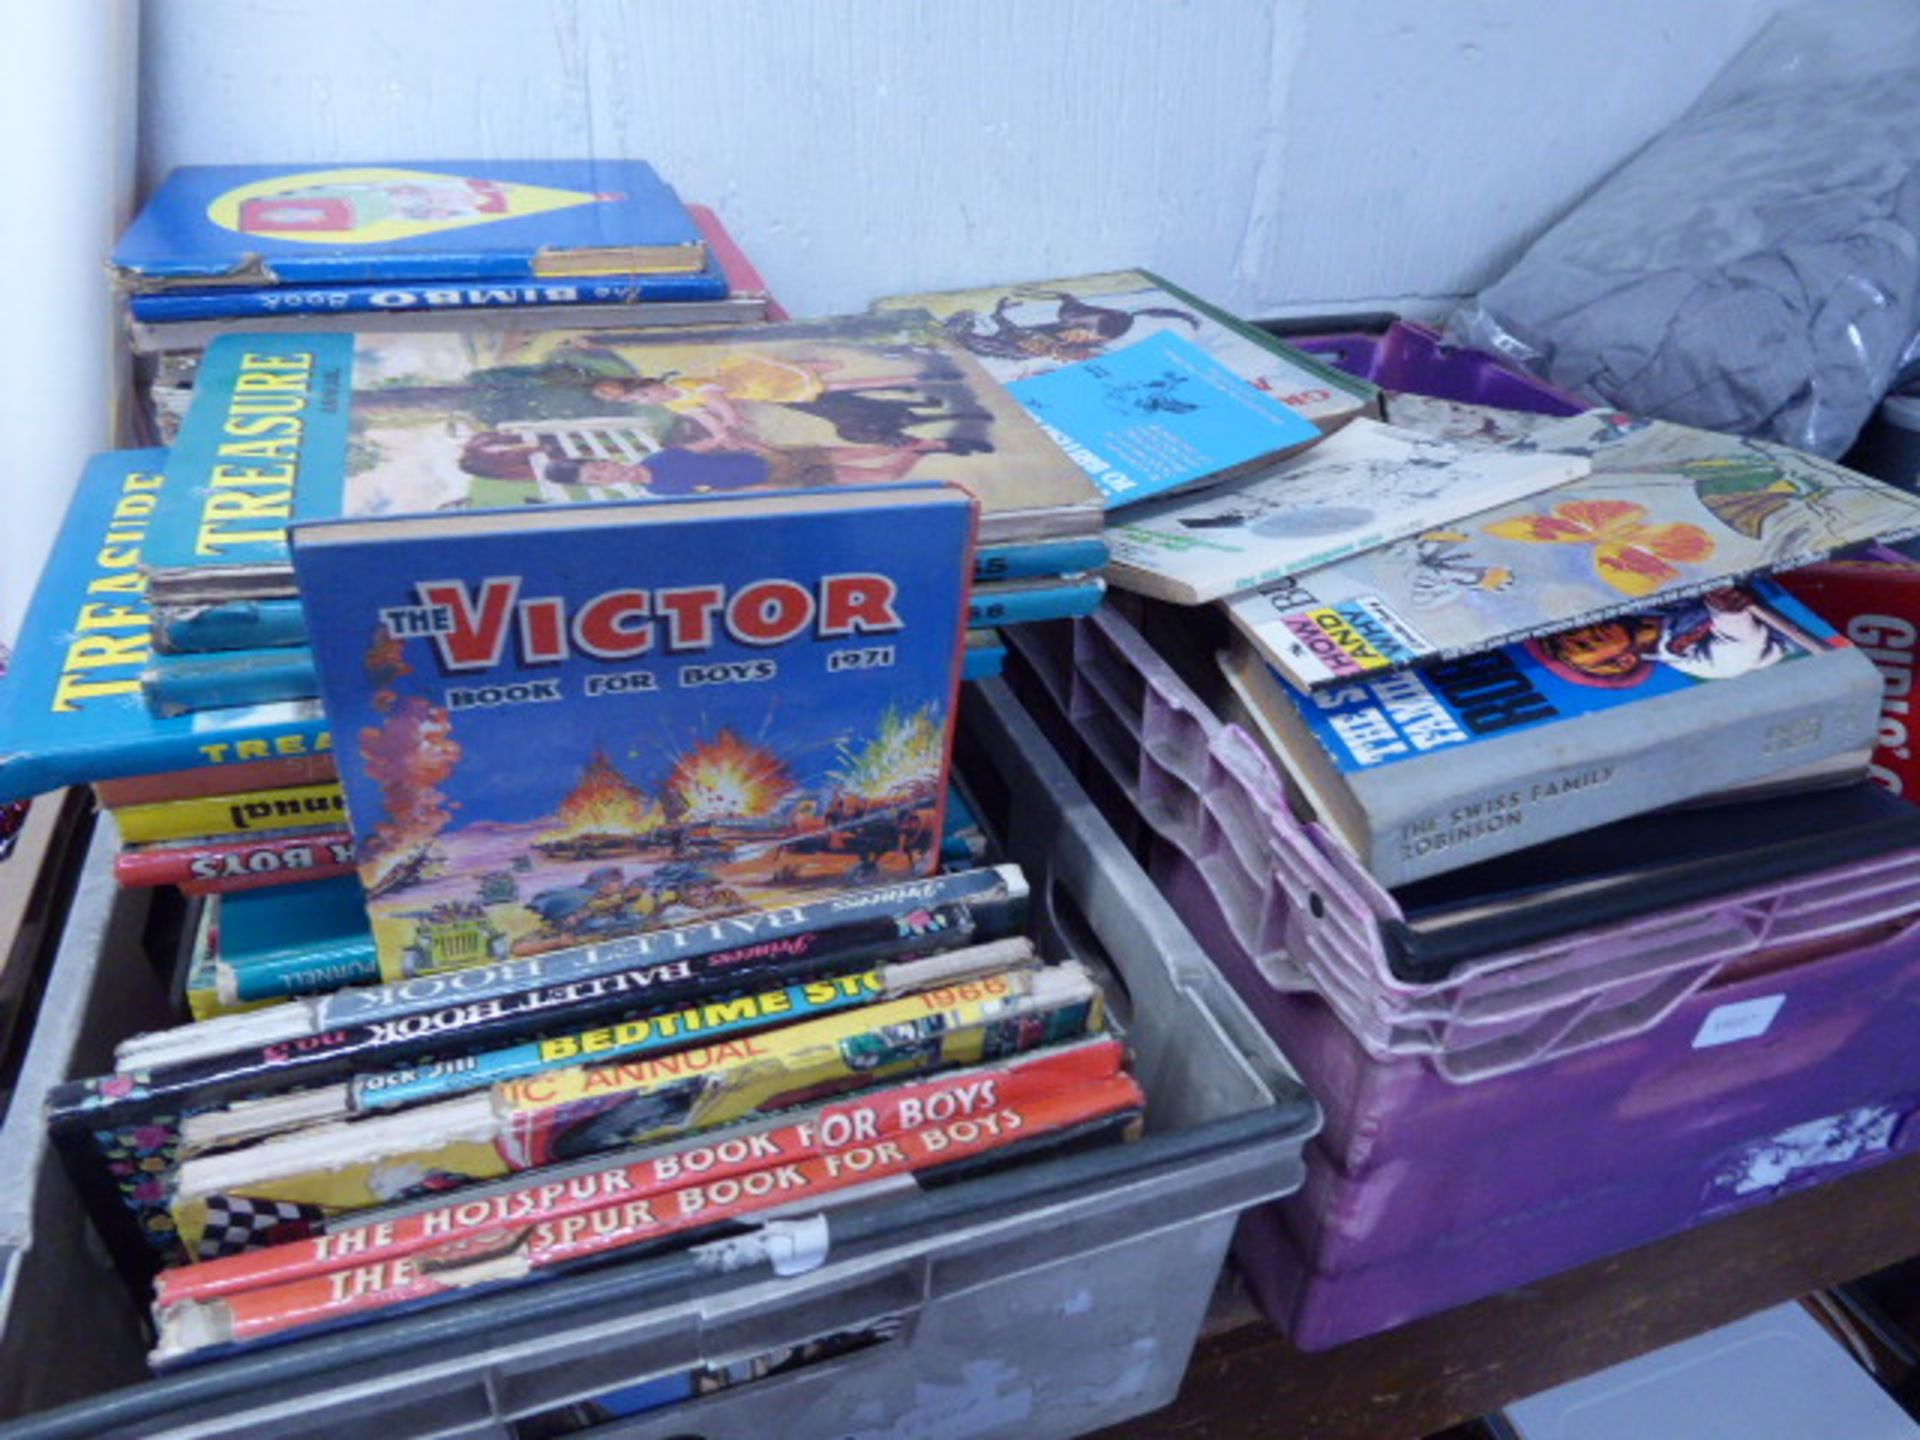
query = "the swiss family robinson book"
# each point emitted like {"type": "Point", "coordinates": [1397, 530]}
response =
{"type": "Point", "coordinates": [564, 725]}
{"type": "Point", "coordinates": [317, 426]}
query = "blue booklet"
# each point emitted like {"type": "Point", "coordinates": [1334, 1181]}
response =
{"type": "Point", "coordinates": [295, 940]}
{"type": "Point", "coordinates": [1160, 415]}
{"type": "Point", "coordinates": [71, 709]}
{"type": "Point", "coordinates": [574, 724]}
{"type": "Point", "coordinates": [406, 222]}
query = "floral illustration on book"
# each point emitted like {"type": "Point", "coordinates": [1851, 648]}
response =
{"type": "Point", "coordinates": [566, 418]}
{"type": "Point", "coordinates": [1634, 557]}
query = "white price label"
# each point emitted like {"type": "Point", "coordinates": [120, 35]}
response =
{"type": "Point", "coordinates": [1742, 1020]}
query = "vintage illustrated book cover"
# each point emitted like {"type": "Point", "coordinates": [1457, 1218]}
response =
{"type": "Point", "coordinates": [1874, 600]}
{"type": "Point", "coordinates": [392, 1232]}
{"type": "Point", "coordinates": [264, 225]}
{"type": "Point", "coordinates": [1667, 512]}
{"type": "Point", "coordinates": [71, 710]}
{"type": "Point", "coordinates": [314, 427]}
{"type": "Point", "coordinates": [1362, 487]}
{"type": "Point", "coordinates": [577, 723]}
{"type": "Point", "coordinates": [574, 1111]}
{"type": "Point", "coordinates": [1428, 770]}
{"type": "Point", "coordinates": [1026, 330]}
{"type": "Point", "coordinates": [120, 1134]}
{"type": "Point", "coordinates": [538, 1228]}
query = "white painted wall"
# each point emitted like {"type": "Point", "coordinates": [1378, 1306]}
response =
{"type": "Point", "coordinates": [1278, 155]}
{"type": "Point", "coordinates": [67, 112]}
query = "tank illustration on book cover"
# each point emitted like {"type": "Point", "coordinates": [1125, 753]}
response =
{"type": "Point", "coordinates": [636, 716]}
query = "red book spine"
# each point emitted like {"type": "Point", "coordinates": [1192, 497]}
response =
{"type": "Point", "coordinates": [715, 1156]}
{"type": "Point", "coordinates": [275, 774]}
{"type": "Point", "coordinates": [742, 276]}
{"type": "Point", "coordinates": [516, 1250]}
{"type": "Point", "coordinates": [211, 867]}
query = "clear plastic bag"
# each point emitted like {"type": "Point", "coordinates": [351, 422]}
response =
{"type": "Point", "coordinates": [1756, 268]}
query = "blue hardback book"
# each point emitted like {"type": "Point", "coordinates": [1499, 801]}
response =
{"type": "Point", "coordinates": [1041, 559]}
{"type": "Point", "coordinates": [1023, 602]}
{"type": "Point", "coordinates": [71, 709]}
{"type": "Point", "coordinates": [232, 625]}
{"type": "Point", "coordinates": [230, 302]}
{"type": "Point", "coordinates": [306, 426]}
{"type": "Point", "coordinates": [406, 223]}
{"type": "Point", "coordinates": [573, 724]}
{"type": "Point", "coordinates": [185, 684]}
{"type": "Point", "coordinates": [294, 940]}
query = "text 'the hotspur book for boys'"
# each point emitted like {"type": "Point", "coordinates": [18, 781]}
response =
{"type": "Point", "coordinates": [563, 725]}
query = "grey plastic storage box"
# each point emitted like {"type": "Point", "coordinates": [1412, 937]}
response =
{"type": "Point", "coordinates": [1046, 1300]}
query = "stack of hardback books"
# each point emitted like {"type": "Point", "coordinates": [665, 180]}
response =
{"type": "Point", "coordinates": [589, 244]}
{"type": "Point", "coordinates": [647, 808]}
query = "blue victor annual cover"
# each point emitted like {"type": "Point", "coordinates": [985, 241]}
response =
{"type": "Point", "coordinates": [579, 723]}
{"type": "Point", "coordinates": [71, 710]}
{"type": "Point", "coordinates": [404, 222]}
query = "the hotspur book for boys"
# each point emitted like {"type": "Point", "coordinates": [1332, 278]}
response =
{"type": "Point", "coordinates": [263, 225]}
{"type": "Point", "coordinates": [392, 1232]}
{"type": "Point", "coordinates": [1433, 769]}
{"type": "Point", "coordinates": [581, 722]}
{"type": "Point", "coordinates": [571, 1112]}
{"type": "Point", "coordinates": [71, 710]}
{"type": "Point", "coordinates": [1667, 512]}
{"type": "Point", "coordinates": [556, 1218]}
{"type": "Point", "coordinates": [313, 427]}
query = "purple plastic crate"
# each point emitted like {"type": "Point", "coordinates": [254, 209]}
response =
{"type": "Point", "coordinates": [1290, 908]}
{"type": "Point", "coordinates": [1413, 358]}
{"type": "Point", "coordinates": [1423, 1195]}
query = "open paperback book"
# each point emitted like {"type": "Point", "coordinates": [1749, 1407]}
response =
{"type": "Point", "coordinates": [1668, 512]}
{"type": "Point", "coordinates": [1365, 486]}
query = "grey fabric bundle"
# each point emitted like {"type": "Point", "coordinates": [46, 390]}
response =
{"type": "Point", "coordinates": [1756, 268]}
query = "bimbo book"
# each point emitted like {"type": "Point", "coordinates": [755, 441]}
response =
{"type": "Point", "coordinates": [576, 723]}
{"type": "Point", "coordinates": [262, 227]}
